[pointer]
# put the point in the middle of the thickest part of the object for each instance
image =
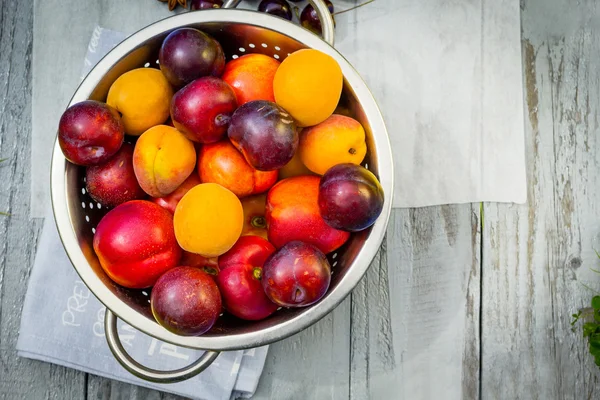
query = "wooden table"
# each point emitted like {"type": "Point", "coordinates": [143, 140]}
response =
{"type": "Point", "coordinates": [463, 301]}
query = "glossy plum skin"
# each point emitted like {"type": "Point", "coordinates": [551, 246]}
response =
{"type": "Point", "coordinates": [90, 132]}
{"type": "Point", "coordinates": [281, 8]}
{"type": "Point", "coordinates": [186, 301]}
{"type": "Point", "coordinates": [265, 134]}
{"type": "Point", "coordinates": [310, 19]}
{"type": "Point", "coordinates": [205, 4]}
{"type": "Point", "coordinates": [170, 201]}
{"type": "Point", "coordinates": [114, 182]}
{"type": "Point", "coordinates": [203, 109]}
{"type": "Point", "coordinates": [350, 197]}
{"type": "Point", "coordinates": [135, 243]}
{"type": "Point", "coordinates": [187, 54]}
{"type": "Point", "coordinates": [239, 279]}
{"type": "Point", "coordinates": [297, 275]}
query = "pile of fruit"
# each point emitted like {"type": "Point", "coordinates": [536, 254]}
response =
{"type": "Point", "coordinates": [227, 183]}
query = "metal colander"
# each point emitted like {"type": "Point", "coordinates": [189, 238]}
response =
{"type": "Point", "coordinates": [77, 214]}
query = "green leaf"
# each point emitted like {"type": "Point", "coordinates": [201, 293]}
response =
{"type": "Point", "coordinates": [575, 318]}
{"type": "Point", "coordinates": [5, 214]}
{"type": "Point", "coordinates": [597, 254]}
{"type": "Point", "coordinates": [594, 351]}
{"type": "Point", "coordinates": [596, 302]}
{"type": "Point", "coordinates": [4, 159]}
{"type": "Point", "coordinates": [589, 328]}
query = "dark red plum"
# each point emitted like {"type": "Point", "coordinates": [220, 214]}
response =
{"type": "Point", "coordinates": [205, 4]}
{"type": "Point", "coordinates": [281, 8]}
{"type": "Point", "coordinates": [186, 301]}
{"type": "Point", "coordinates": [297, 275]}
{"type": "Point", "coordinates": [350, 197]}
{"type": "Point", "coordinates": [114, 182]}
{"type": "Point", "coordinates": [187, 54]}
{"type": "Point", "coordinates": [310, 19]}
{"type": "Point", "coordinates": [239, 279]}
{"type": "Point", "coordinates": [265, 134]}
{"type": "Point", "coordinates": [202, 109]}
{"type": "Point", "coordinates": [90, 132]}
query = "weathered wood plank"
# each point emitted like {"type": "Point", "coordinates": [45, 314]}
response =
{"type": "Point", "coordinates": [20, 378]}
{"type": "Point", "coordinates": [537, 257]}
{"type": "Point", "coordinates": [420, 340]}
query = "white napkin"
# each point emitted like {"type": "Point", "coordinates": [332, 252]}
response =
{"type": "Point", "coordinates": [447, 76]}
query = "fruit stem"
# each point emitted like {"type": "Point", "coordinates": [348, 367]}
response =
{"type": "Point", "coordinates": [257, 273]}
{"type": "Point", "coordinates": [259, 222]}
{"type": "Point", "coordinates": [353, 8]}
{"type": "Point", "coordinates": [352, 151]}
{"type": "Point", "coordinates": [210, 270]}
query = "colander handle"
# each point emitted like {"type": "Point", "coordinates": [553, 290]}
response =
{"type": "Point", "coordinates": [325, 16]}
{"type": "Point", "coordinates": [149, 374]}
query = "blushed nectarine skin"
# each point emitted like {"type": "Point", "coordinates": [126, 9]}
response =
{"type": "Point", "coordinates": [208, 220]}
{"type": "Point", "coordinates": [293, 214]}
{"type": "Point", "coordinates": [170, 201]}
{"type": "Point", "coordinates": [114, 181]}
{"type": "Point", "coordinates": [222, 163]}
{"type": "Point", "coordinates": [186, 301]}
{"type": "Point", "coordinates": [142, 96]}
{"type": "Point", "coordinates": [136, 244]}
{"type": "Point", "coordinates": [90, 132]}
{"type": "Point", "coordinates": [162, 160]}
{"type": "Point", "coordinates": [251, 77]}
{"type": "Point", "coordinates": [336, 140]}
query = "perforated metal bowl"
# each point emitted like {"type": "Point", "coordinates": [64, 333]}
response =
{"type": "Point", "coordinates": [76, 214]}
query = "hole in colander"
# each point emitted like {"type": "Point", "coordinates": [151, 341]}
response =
{"type": "Point", "coordinates": [84, 179]}
{"type": "Point", "coordinates": [277, 48]}
{"type": "Point", "coordinates": [99, 205]}
{"type": "Point", "coordinates": [243, 50]}
{"type": "Point", "coordinates": [94, 230]}
{"type": "Point", "coordinates": [289, 54]}
{"type": "Point", "coordinates": [234, 56]}
{"type": "Point", "coordinates": [148, 300]}
{"type": "Point", "coordinates": [251, 45]}
{"type": "Point", "coordinates": [82, 190]}
{"type": "Point", "coordinates": [144, 293]}
{"type": "Point", "coordinates": [276, 56]}
{"type": "Point", "coordinates": [366, 166]}
{"type": "Point", "coordinates": [83, 204]}
{"type": "Point", "coordinates": [146, 65]}
{"type": "Point", "coordinates": [264, 45]}
{"type": "Point", "coordinates": [91, 205]}
{"type": "Point", "coordinates": [158, 62]}
{"type": "Point", "coordinates": [334, 256]}
{"type": "Point", "coordinates": [334, 264]}
{"type": "Point", "coordinates": [87, 218]}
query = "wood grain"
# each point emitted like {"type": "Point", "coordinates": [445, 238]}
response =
{"type": "Point", "coordinates": [425, 327]}
{"type": "Point", "coordinates": [20, 378]}
{"type": "Point", "coordinates": [537, 258]}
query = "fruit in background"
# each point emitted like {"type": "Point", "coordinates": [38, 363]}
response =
{"type": "Point", "coordinates": [265, 134]}
{"type": "Point", "coordinates": [142, 96]}
{"type": "Point", "coordinates": [170, 201]}
{"type": "Point", "coordinates": [336, 140]}
{"type": "Point", "coordinates": [208, 220]}
{"type": "Point", "coordinates": [114, 181]}
{"type": "Point", "coordinates": [251, 77]}
{"type": "Point", "coordinates": [350, 197]}
{"type": "Point", "coordinates": [297, 275]}
{"type": "Point", "coordinates": [294, 168]}
{"type": "Point", "coordinates": [239, 279]}
{"type": "Point", "coordinates": [221, 163]}
{"type": "Point", "coordinates": [90, 132]}
{"type": "Point", "coordinates": [187, 54]}
{"type": "Point", "coordinates": [293, 214]}
{"type": "Point", "coordinates": [186, 301]}
{"type": "Point", "coordinates": [308, 84]}
{"type": "Point", "coordinates": [202, 110]}
{"type": "Point", "coordinates": [310, 19]}
{"type": "Point", "coordinates": [162, 160]}
{"type": "Point", "coordinates": [281, 8]}
{"type": "Point", "coordinates": [210, 265]}
{"type": "Point", "coordinates": [255, 222]}
{"type": "Point", "coordinates": [205, 4]}
{"type": "Point", "coordinates": [135, 243]}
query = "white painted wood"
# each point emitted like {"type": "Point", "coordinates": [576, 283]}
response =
{"type": "Point", "coordinates": [537, 258]}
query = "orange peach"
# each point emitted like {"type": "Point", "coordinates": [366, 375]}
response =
{"type": "Point", "coordinates": [163, 158]}
{"type": "Point", "coordinates": [337, 140]}
{"type": "Point", "coordinates": [293, 214]}
{"type": "Point", "coordinates": [222, 163]}
{"type": "Point", "coordinates": [251, 77]}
